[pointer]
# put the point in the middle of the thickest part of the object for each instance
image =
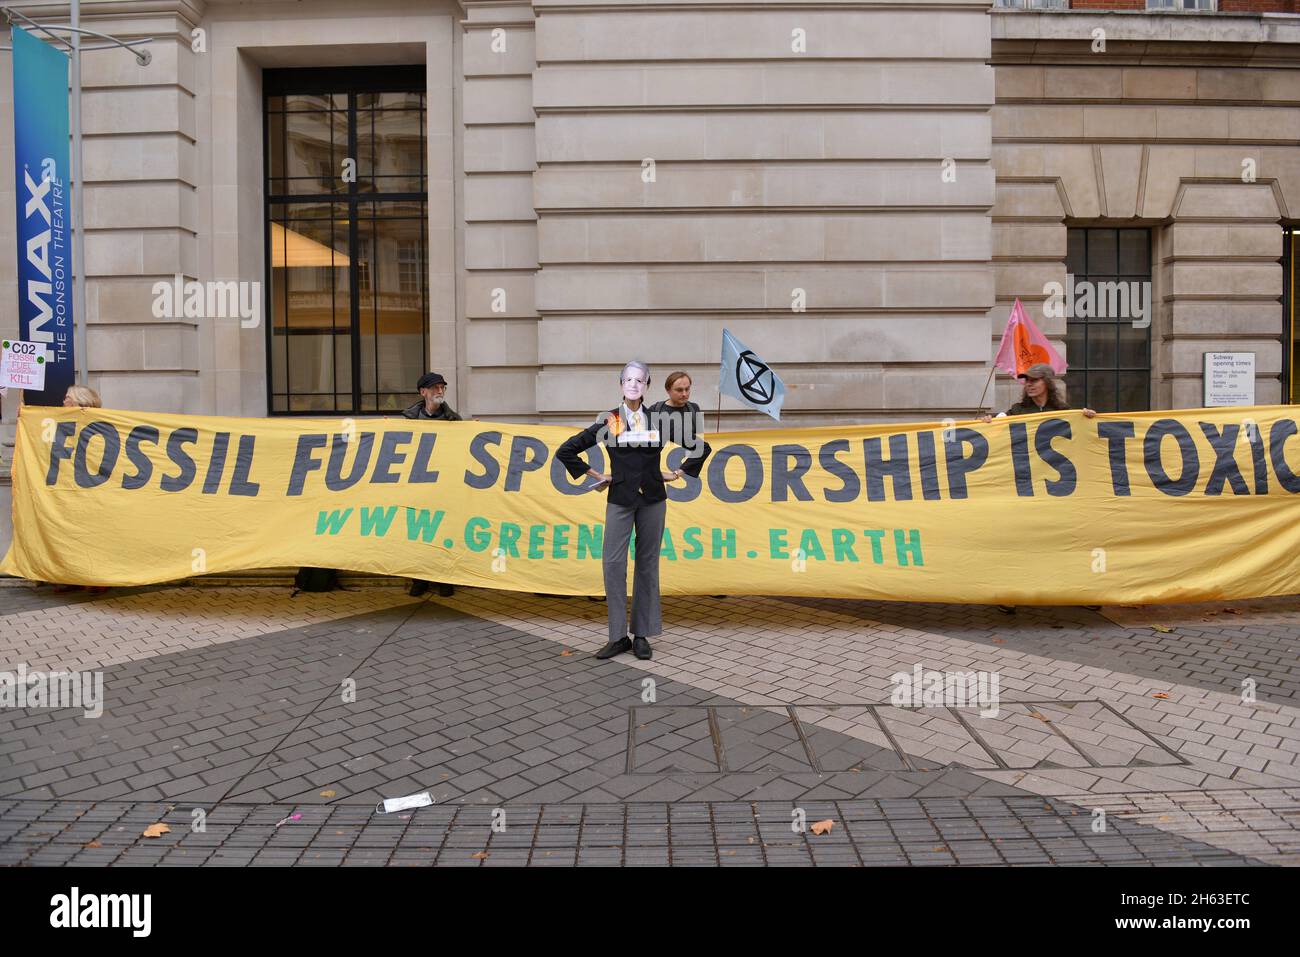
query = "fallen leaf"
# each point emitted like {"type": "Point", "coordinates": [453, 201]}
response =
{"type": "Point", "coordinates": [156, 830]}
{"type": "Point", "coordinates": [328, 794]}
{"type": "Point", "coordinates": [566, 652]}
{"type": "Point", "coordinates": [999, 641]}
{"type": "Point", "coordinates": [1035, 714]}
{"type": "Point", "coordinates": [480, 856]}
{"type": "Point", "coordinates": [940, 848]}
{"type": "Point", "coordinates": [1232, 611]}
{"type": "Point", "coordinates": [1163, 629]}
{"type": "Point", "coordinates": [93, 844]}
{"type": "Point", "coordinates": [1160, 694]}
{"type": "Point", "coordinates": [823, 827]}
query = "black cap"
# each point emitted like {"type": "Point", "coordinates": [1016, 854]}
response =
{"type": "Point", "coordinates": [429, 380]}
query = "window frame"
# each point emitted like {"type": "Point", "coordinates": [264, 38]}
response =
{"type": "Point", "coordinates": [355, 82]}
{"type": "Point", "coordinates": [1079, 367]}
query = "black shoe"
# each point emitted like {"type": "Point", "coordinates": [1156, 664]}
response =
{"type": "Point", "coordinates": [641, 648]}
{"type": "Point", "coordinates": [417, 588]}
{"type": "Point", "coordinates": [445, 590]}
{"type": "Point", "coordinates": [624, 644]}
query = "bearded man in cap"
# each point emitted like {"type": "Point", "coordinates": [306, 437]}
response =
{"type": "Point", "coordinates": [432, 388]}
{"type": "Point", "coordinates": [432, 405]}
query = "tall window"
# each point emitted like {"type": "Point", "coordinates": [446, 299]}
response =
{"type": "Point", "coordinates": [346, 215]}
{"type": "Point", "coordinates": [1108, 343]}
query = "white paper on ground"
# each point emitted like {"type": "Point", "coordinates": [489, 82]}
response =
{"type": "Point", "coordinates": [406, 803]}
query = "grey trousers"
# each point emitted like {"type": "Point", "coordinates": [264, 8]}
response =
{"type": "Point", "coordinates": [649, 523]}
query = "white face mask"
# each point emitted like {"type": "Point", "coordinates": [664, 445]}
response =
{"type": "Point", "coordinates": [633, 385]}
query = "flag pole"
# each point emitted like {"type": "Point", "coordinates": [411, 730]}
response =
{"type": "Point", "coordinates": [718, 423]}
{"type": "Point", "coordinates": [986, 387]}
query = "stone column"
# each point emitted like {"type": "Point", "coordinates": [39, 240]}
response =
{"type": "Point", "coordinates": [500, 222]}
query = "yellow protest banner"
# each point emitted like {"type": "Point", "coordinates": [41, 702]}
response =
{"type": "Point", "coordinates": [1052, 508]}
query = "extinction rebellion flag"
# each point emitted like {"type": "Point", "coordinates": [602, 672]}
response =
{"type": "Point", "coordinates": [746, 377]}
{"type": "Point", "coordinates": [44, 236]}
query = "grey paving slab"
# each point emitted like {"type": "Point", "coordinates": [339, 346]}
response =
{"type": "Point", "coordinates": [486, 717]}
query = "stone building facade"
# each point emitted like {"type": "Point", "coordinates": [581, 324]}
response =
{"type": "Point", "coordinates": [858, 190]}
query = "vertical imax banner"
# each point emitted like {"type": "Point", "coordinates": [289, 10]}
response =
{"type": "Point", "coordinates": [44, 238]}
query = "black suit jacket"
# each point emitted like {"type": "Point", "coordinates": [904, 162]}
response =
{"type": "Point", "coordinates": [636, 472]}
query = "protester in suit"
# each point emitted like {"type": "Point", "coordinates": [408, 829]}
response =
{"type": "Point", "coordinates": [432, 405]}
{"type": "Point", "coordinates": [637, 499]}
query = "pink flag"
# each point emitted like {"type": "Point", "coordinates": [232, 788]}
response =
{"type": "Point", "coordinates": [1023, 345]}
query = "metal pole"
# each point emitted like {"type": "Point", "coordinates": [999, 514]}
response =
{"type": "Point", "coordinates": [78, 230]}
{"type": "Point", "coordinates": [986, 388]}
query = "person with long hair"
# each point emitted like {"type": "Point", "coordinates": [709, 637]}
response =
{"type": "Point", "coordinates": [82, 397]}
{"type": "Point", "coordinates": [1041, 394]}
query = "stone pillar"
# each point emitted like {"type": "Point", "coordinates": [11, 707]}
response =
{"type": "Point", "coordinates": [500, 222]}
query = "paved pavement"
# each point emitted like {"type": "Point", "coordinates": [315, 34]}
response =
{"type": "Point", "coordinates": [1121, 735]}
